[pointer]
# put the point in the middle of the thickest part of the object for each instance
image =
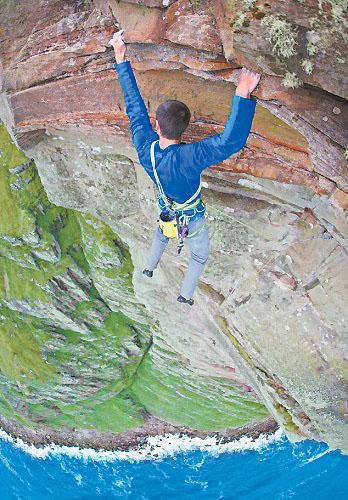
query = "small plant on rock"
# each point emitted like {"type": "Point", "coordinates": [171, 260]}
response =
{"type": "Point", "coordinates": [281, 35]}
{"type": "Point", "coordinates": [307, 66]}
{"type": "Point", "coordinates": [194, 4]}
{"type": "Point", "coordinates": [291, 80]}
{"type": "Point", "coordinates": [247, 5]}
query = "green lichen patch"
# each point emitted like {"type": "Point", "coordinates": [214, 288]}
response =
{"type": "Point", "coordinates": [281, 34]}
{"type": "Point", "coordinates": [291, 80]}
{"type": "Point", "coordinates": [245, 6]}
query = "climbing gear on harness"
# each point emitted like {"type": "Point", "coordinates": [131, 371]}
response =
{"type": "Point", "coordinates": [185, 301]}
{"type": "Point", "coordinates": [188, 205]}
{"type": "Point", "coordinates": [173, 221]}
{"type": "Point", "coordinates": [148, 273]}
{"type": "Point", "coordinates": [168, 223]}
{"type": "Point", "coordinates": [183, 232]}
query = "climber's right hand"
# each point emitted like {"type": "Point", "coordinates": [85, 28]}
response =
{"type": "Point", "coordinates": [119, 46]}
{"type": "Point", "coordinates": [247, 82]}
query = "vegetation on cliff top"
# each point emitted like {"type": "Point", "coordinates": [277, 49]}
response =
{"type": "Point", "coordinates": [294, 48]}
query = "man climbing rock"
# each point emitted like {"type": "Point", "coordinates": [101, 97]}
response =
{"type": "Point", "coordinates": [176, 167]}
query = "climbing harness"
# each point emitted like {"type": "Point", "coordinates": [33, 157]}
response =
{"type": "Point", "coordinates": [173, 219]}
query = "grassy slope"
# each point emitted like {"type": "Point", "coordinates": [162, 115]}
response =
{"type": "Point", "coordinates": [211, 404]}
{"type": "Point", "coordinates": [38, 359]}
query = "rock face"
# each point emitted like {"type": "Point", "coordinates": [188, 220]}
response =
{"type": "Point", "coordinates": [269, 323]}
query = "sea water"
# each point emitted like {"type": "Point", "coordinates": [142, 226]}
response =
{"type": "Point", "coordinates": [175, 467]}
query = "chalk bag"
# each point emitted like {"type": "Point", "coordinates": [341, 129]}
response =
{"type": "Point", "coordinates": [168, 224]}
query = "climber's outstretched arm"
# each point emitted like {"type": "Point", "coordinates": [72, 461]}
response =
{"type": "Point", "coordinates": [212, 150]}
{"type": "Point", "coordinates": [140, 125]}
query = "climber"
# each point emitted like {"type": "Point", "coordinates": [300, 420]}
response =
{"type": "Point", "coordinates": [175, 167]}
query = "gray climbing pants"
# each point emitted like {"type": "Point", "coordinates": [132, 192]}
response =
{"type": "Point", "coordinates": [198, 244]}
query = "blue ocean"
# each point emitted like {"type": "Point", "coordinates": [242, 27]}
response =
{"type": "Point", "coordinates": [174, 467]}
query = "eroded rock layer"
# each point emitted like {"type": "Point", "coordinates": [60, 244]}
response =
{"type": "Point", "coordinates": [269, 323]}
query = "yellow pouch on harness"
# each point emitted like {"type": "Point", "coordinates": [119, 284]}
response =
{"type": "Point", "coordinates": [169, 228]}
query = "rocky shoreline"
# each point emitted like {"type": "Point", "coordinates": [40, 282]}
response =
{"type": "Point", "coordinates": [134, 438]}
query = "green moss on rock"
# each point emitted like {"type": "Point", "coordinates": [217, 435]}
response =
{"type": "Point", "coordinates": [212, 405]}
{"type": "Point", "coordinates": [66, 354]}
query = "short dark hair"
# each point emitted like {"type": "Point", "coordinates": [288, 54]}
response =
{"type": "Point", "coordinates": [173, 118]}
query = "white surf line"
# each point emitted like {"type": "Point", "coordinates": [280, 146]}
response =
{"type": "Point", "coordinates": [316, 457]}
{"type": "Point", "coordinates": [155, 448]}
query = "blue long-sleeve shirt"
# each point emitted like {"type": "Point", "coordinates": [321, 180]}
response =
{"type": "Point", "coordinates": [179, 166]}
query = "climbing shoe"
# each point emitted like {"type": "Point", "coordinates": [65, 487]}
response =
{"type": "Point", "coordinates": [185, 301]}
{"type": "Point", "coordinates": [148, 273]}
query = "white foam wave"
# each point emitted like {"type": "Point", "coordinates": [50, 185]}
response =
{"type": "Point", "coordinates": [155, 448]}
{"type": "Point", "coordinates": [316, 457]}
